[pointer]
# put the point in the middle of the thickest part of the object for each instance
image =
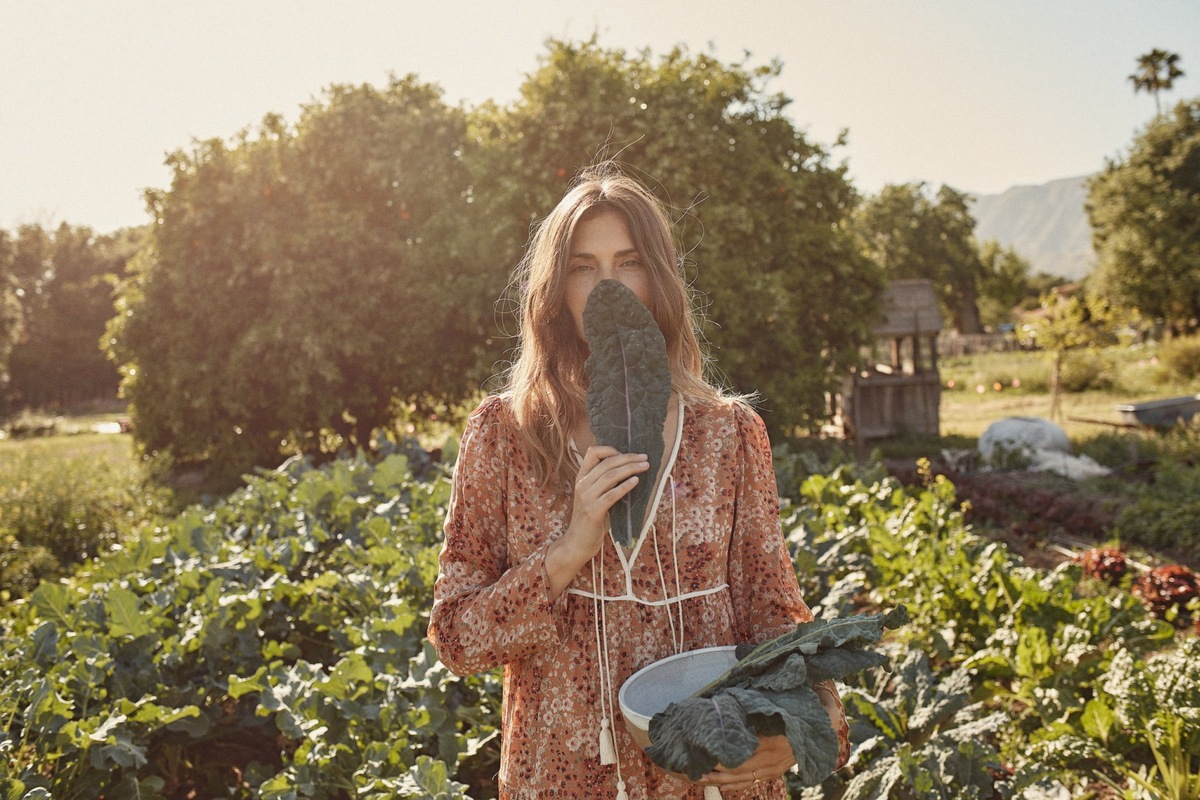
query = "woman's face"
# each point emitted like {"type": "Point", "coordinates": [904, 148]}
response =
{"type": "Point", "coordinates": [602, 248]}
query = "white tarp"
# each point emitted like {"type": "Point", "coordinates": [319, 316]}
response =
{"type": "Point", "coordinates": [1044, 445]}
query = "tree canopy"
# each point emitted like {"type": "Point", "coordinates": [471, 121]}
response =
{"type": "Point", "coordinates": [64, 285]}
{"type": "Point", "coordinates": [1157, 71]}
{"type": "Point", "coordinates": [305, 280]}
{"type": "Point", "coordinates": [10, 305]}
{"type": "Point", "coordinates": [911, 233]}
{"type": "Point", "coordinates": [1144, 210]}
{"type": "Point", "coordinates": [1004, 284]}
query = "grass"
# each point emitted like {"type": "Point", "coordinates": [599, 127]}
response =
{"type": "Point", "coordinates": [66, 499]}
{"type": "Point", "coordinates": [105, 445]}
{"type": "Point", "coordinates": [980, 389]}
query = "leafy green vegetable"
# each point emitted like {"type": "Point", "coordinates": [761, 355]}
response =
{"type": "Point", "coordinates": [629, 386]}
{"type": "Point", "coordinates": [769, 692]}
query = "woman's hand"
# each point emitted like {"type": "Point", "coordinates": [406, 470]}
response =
{"type": "Point", "coordinates": [772, 759]}
{"type": "Point", "coordinates": [605, 476]}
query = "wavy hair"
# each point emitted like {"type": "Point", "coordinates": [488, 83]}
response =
{"type": "Point", "coordinates": [547, 382]}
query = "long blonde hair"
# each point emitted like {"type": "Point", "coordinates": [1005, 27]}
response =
{"type": "Point", "coordinates": [547, 383]}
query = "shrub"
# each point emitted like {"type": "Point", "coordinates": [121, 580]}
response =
{"type": "Point", "coordinates": [59, 511]}
{"type": "Point", "coordinates": [1120, 450]}
{"type": "Point", "coordinates": [1181, 443]}
{"type": "Point", "coordinates": [28, 423]}
{"type": "Point", "coordinates": [1087, 370]}
{"type": "Point", "coordinates": [1181, 357]}
{"type": "Point", "coordinates": [1163, 514]}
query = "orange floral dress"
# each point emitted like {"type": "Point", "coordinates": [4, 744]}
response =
{"type": "Point", "coordinates": [710, 569]}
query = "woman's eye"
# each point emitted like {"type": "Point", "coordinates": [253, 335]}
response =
{"type": "Point", "coordinates": [581, 267]}
{"type": "Point", "coordinates": [632, 263]}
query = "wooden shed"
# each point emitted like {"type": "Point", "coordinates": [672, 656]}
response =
{"type": "Point", "coordinates": [899, 390]}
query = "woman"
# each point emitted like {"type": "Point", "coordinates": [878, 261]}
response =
{"type": "Point", "coordinates": [530, 578]}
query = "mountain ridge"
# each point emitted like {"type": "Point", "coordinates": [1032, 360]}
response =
{"type": "Point", "coordinates": [1046, 224]}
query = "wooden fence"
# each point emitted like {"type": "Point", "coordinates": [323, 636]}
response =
{"type": "Point", "coordinates": [952, 343]}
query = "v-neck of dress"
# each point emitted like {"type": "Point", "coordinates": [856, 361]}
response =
{"type": "Point", "coordinates": [664, 474]}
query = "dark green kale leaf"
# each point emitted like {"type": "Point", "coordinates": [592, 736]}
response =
{"type": "Point", "coordinates": [804, 720]}
{"type": "Point", "coordinates": [767, 693]}
{"type": "Point", "coordinates": [629, 387]}
{"type": "Point", "coordinates": [809, 638]}
{"type": "Point", "coordinates": [695, 735]}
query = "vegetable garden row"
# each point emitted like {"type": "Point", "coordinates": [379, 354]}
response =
{"type": "Point", "coordinates": [273, 646]}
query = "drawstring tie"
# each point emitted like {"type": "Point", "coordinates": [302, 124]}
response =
{"type": "Point", "coordinates": [608, 746]}
{"type": "Point", "coordinates": [608, 708]}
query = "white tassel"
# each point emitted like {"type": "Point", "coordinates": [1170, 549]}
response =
{"type": "Point", "coordinates": [608, 748]}
{"type": "Point", "coordinates": [621, 794]}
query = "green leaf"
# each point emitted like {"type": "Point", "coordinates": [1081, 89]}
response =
{"type": "Point", "coordinates": [44, 643]}
{"type": "Point", "coordinates": [351, 669]}
{"type": "Point", "coordinates": [46, 708]}
{"type": "Point", "coordinates": [429, 779]}
{"type": "Point", "coordinates": [805, 721]}
{"type": "Point", "coordinates": [278, 787]}
{"type": "Point", "coordinates": [629, 387]}
{"type": "Point", "coordinates": [240, 686]}
{"type": "Point", "coordinates": [134, 788]}
{"type": "Point", "coordinates": [124, 616]}
{"type": "Point", "coordinates": [1097, 719]}
{"type": "Point", "coordinates": [122, 753]}
{"type": "Point", "coordinates": [809, 638]}
{"type": "Point", "coordinates": [695, 735]}
{"type": "Point", "coordinates": [1033, 652]}
{"type": "Point", "coordinates": [391, 473]}
{"type": "Point", "coordinates": [52, 601]}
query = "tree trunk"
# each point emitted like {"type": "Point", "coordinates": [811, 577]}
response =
{"type": "Point", "coordinates": [968, 313]}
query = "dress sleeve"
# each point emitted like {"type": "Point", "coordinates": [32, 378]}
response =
{"type": "Point", "coordinates": [486, 610]}
{"type": "Point", "coordinates": [766, 595]}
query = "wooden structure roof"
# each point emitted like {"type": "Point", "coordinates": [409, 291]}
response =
{"type": "Point", "coordinates": [910, 308]}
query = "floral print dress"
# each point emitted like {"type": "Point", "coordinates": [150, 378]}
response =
{"type": "Point", "coordinates": [710, 569]}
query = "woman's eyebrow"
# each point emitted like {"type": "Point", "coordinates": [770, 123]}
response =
{"type": "Point", "coordinates": [632, 251]}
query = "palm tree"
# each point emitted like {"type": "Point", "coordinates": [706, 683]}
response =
{"type": "Point", "coordinates": [1157, 70]}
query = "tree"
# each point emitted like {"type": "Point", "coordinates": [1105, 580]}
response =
{"type": "Point", "coordinates": [1004, 283]}
{"type": "Point", "coordinates": [910, 234]}
{"type": "Point", "coordinates": [761, 211]}
{"type": "Point", "coordinates": [301, 286]}
{"type": "Point", "coordinates": [1143, 209]}
{"type": "Point", "coordinates": [66, 281]}
{"type": "Point", "coordinates": [1157, 70]}
{"type": "Point", "coordinates": [10, 307]}
{"type": "Point", "coordinates": [1069, 321]}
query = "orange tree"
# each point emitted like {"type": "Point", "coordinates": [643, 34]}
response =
{"type": "Point", "coordinates": [300, 282]}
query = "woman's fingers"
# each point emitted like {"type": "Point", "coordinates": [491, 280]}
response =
{"type": "Point", "coordinates": [608, 470]}
{"type": "Point", "coordinates": [606, 476]}
{"type": "Point", "coordinates": [772, 759]}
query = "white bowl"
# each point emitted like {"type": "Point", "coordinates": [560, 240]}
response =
{"type": "Point", "coordinates": [653, 688]}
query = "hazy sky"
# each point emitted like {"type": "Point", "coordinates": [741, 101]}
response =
{"type": "Point", "coordinates": [982, 96]}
